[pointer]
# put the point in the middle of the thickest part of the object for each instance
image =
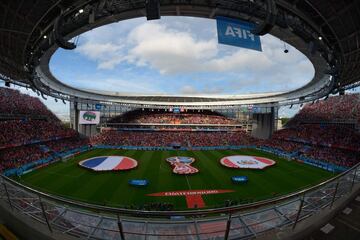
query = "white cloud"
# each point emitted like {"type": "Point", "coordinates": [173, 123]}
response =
{"type": "Point", "coordinates": [167, 50]}
{"type": "Point", "coordinates": [107, 55]}
{"type": "Point", "coordinates": [173, 48]}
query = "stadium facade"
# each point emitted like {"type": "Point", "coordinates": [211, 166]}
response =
{"type": "Point", "coordinates": [32, 138]}
{"type": "Point", "coordinates": [259, 121]}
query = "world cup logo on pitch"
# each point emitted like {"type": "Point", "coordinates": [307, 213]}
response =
{"type": "Point", "coordinates": [182, 165]}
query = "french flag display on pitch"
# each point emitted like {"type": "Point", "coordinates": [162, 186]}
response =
{"type": "Point", "coordinates": [109, 163]}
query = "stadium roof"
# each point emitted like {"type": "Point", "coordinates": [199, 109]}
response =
{"type": "Point", "coordinates": [329, 28]}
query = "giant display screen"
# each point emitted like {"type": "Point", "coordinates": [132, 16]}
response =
{"type": "Point", "coordinates": [89, 117]}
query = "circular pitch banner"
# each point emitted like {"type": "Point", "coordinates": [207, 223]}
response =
{"type": "Point", "coordinates": [248, 162]}
{"type": "Point", "coordinates": [109, 163]}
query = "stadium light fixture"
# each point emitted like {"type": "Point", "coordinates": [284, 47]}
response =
{"type": "Point", "coordinates": [45, 36]}
{"type": "Point", "coordinates": [81, 10]}
{"type": "Point", "coordinates": [286, 50]}
{"type": "Point", "coordinates": [320, 38]}
{"type": "Point", "coordinates": [59, 38]}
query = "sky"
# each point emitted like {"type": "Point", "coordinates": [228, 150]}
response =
{"type": "Point", "coordinates": [176, 56]}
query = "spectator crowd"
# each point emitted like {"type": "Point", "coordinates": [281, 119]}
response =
{"type": "Point", "coordinates": [161, 117]}
{"type": "Point", "coordinates": [339, 136]}
{"type": "Point", "coordinates": [14, 102]}
{"type": "Point", "coordinates": [19, 132]}
{"type": "Point", "coordinates": [168, 138]}
{"type": "Point", "coordinates": [23, 139]}
{"type": "Point", "coordinates": [335, 108]}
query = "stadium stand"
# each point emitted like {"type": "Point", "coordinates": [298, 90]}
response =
{"type": "Point", "coordinates": [336, 136]}
{"type": "Point", "coordinates": [162, 117]}
{"type": "Point", "coordinates": [28, 131]}
{"type": "Point", "coordinates": [168, 138]}
{"type": "Point", "coordinates": [327, 130]}
{"type": "Point", "coordinates": [345, 108]}
{"type": "Point", "coordinates": [24, 140]}
{"type": "Point", "coordinates": [14, 103]}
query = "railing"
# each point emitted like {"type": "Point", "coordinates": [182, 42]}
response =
{"type": "Point", "coordinates": [243, 221]}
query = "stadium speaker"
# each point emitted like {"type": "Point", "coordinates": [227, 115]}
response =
{"type": "Point", "coordinates": [59, 39]}
{"type": "Point", "coordinates": [153, 9]}
{"type": "Point", "coordinates": [7, 84]}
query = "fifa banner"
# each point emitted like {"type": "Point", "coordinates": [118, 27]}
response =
{"type": "Point", "coordinates": [237, 33]}
{"type": "Point", "coordinates": [89, 117]}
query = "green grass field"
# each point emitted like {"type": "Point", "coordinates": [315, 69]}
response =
{"type": "Point", "coordinates": [69, 180]}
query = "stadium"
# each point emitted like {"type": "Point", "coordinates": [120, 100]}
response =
{"type": "Point", "coordinates": [188, 164]}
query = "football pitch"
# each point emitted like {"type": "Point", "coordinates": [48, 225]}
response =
{"type": "Point", "coordinates": [71, 181]}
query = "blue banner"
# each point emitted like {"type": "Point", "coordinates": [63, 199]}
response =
{"type": "Point", "coordinates": [239, 179]}
{"type": "Point", "coordinates": [139, 182]}
{"type": "Point", "coordinates": [237, 33]}
{"type": "Point", "coordinates": [176, 110]}
{"type": "Point", "coordinates": [98, 106]}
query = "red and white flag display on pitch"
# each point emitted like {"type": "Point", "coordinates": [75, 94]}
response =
{"type": "Point", "coordinates": [249, 162]}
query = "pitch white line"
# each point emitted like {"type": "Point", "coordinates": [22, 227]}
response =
{"type": "Point", "coordinates": [187, 180]}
